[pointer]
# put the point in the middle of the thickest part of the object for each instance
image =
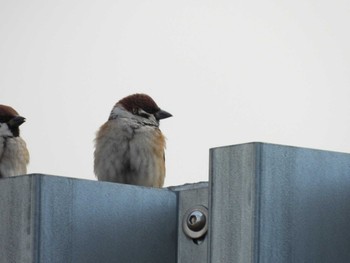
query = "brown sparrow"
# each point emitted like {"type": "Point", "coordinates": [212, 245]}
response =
{"type": "Point", "coordinates": [14, 156]}
{"type": "Point", "coordinates": [129, 147]}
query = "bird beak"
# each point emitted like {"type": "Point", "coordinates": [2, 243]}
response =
{"type": "Point", "coordinates": [161, 114]}
{"type": "Point", "coordinates": [16, 121]}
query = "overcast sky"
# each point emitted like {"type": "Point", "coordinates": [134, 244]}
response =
{"type": "Point", "coordinates": [230, 72]}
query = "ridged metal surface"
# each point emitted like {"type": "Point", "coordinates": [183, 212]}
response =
{"type": "Point", "coordinates": [47, 219]}
{"type": "Point", "coordinates": [273, 203]}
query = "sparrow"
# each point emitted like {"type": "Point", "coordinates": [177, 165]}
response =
{"type": "Point", "coordinates": [129, 147]}
{"type": "Point", "coordinates": [14, 155]}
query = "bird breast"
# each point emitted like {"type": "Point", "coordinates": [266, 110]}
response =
{"type": "Point", "coordinates": [129, 152]}
{"type": "Point", "coordinates": [14, 156]}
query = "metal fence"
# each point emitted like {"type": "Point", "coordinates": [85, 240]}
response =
{"type": "Point", "coordinates": [263, 203]}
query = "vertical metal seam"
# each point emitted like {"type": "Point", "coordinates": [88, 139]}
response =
{"type": "Point", "coordinates": [257, 207]}
{"type": "Point", "coordinates": [178, 224]}
{"type": "Point", "coordinates": [210, 204]}
{"type": "Point", "coordinates": [37, 180]}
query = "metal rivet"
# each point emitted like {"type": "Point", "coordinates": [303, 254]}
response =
{"type": "Point", "coordinates": [195, 222]}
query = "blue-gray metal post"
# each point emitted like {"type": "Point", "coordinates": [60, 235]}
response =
{"type": "Point", "coordinates": [192, 201]}
{"type": "Point", "coordinates": [272, 203]}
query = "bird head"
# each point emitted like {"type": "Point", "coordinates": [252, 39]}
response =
{"type": "Point", "coordinates": [10, 121]}
{"type": "Point", "coordinates": [142, 107]}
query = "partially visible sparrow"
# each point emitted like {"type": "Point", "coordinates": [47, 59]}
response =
{"type": "Point", "coordinates": [14, 156]}
{"type": "Point", "coordinates": [129, 147]}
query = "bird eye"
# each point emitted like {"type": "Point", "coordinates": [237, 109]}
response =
{"type": "Point", "coordinates": [142, 114]}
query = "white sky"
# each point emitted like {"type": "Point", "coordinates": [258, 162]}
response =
{"type": "Point", "coordinates": [229, 71]}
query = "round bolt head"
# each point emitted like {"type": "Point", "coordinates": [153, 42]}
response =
{"type": "Point", "coordinates": [195, 222]}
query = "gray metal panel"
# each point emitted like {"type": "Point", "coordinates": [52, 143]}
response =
{"type": "Point", "coordinates": [273, 203]}
{"type": "Point", "coordinates": [17, 222]}
{"type": "Point", "coordinates": [189, 196]}
{"type": "Point", "coordinates": [87, 221]}
{"type": "Point", "coordinates": [304, 205]}
{"type": "Point", "coordinates": [232, 194]}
